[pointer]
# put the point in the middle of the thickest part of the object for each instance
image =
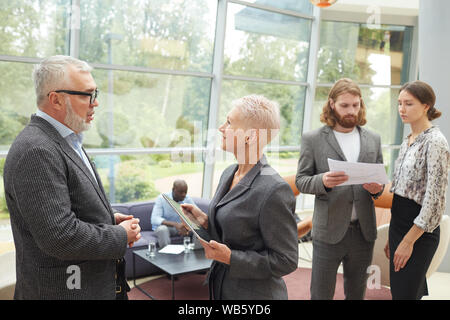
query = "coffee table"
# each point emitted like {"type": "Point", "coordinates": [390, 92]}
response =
{"type": "Point", "coordinates": [173, 264]}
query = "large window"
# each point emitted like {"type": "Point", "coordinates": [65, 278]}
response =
{"type": "Point", "coordinates": [156, 93]}
{"type": "Point", "coordinates": [147, 110]}
{"type": "Point", "coordinates": [376, 58]}
{"type": "Point", "coordinates": [144, 177]}
{"type": "Point", "coordinates": [264, 44]}
{"type": "Point", "coordinates": [17, 100]}
{"type": "Point", "coordinates": [266, 51]}
{"type": "Point", "coordinates": [168, 71]}
{"type": "Point", "coordinates": [174, 35]}
{"type": "Point", "coordinates": [31, 28]}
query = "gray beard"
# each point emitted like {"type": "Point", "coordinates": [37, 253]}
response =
{"type": "Point", "coordinates": [74, 121]}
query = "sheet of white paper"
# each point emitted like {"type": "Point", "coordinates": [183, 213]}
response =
{"type": "Point", "coordinates": [359, 172]}
{"type": "Point", "coordinates": [172, 249]}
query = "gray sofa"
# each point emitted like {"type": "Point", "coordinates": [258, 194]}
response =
{"type": "Point", "coordinates": [143, 211]}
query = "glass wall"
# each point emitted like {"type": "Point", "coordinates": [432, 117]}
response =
{"type": "Point", "coordinates": [154, 66]}
{"type": "Point", "coordinates": [174, 35]}
{"type": "Point", "coordinates": [148, 110]}
{"type": "Point", "coordinates": [378, 60]}
{"type": "Point", "coordinates": [264, 44]}
{"type": "Point", "coordinates": [365, 54]}
{"type": "Point", "coordinates": [266, 51]}
{"type": "Point", "coordinates": [17, 100]}
{"type": "Point", "coordinates": [152, 110]}
{"type": "Point", "coordinates": [30, 28]}
{"type": "Point", "coordinates": [144, 177]}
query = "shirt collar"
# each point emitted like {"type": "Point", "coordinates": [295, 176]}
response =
{"type": "Point", "coordinates": [422, 135]}
{"type": "Point", "coordinates": [61, 128]}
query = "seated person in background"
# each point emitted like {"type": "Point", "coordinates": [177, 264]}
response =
{"type": "Point", "coordinates": [304, 228]}
{"type": "Point", "coordinates": [165, 221]}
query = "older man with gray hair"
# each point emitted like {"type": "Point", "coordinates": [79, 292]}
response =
{"type": "Point", "coordinates": [69, 242]}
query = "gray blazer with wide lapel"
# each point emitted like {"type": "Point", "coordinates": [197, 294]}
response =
{"type": "Point", "coordinates": [256, 221]}
{"type": "Point", "coordinates": [60, 217]}
{"type": "Point", "coordinates": [333, 208]}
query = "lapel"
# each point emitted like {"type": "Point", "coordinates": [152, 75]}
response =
{"type": "Point", "coordinates": [364, 144]}
{"type": "Point", "coordinates": [67, 149]}
{"type": "Point", "coordinates": [71, 154]}
{"type": "Point", "coordinates": [224, 195]}
{"type": "Point", "coordinates": [332, 141]}
{"type": "Point", "coordinates": [222, 189]}
{"type": "Point", "coordinates": [243, 185]}
{"type": "Point", "coordinates": [99, 184]}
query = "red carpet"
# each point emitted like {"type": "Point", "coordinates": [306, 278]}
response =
{"type": "Point", "coordinates": [298, 283]}
{"type": "Point", "coordinates": [190, 287]}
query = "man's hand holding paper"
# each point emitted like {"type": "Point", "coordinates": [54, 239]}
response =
{"type": "Point", "coordinates": [332, 179]}
{"type": "Point", "coordinates": [371, 175]}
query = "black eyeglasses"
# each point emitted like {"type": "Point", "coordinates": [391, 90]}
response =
{"type": "Point", "coordinates": [93, 94]}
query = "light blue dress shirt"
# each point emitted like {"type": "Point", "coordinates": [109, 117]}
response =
{"type": "Point", "coordinates": [163, 211]}
{"type": "Point", "coordinates": [74, 140]}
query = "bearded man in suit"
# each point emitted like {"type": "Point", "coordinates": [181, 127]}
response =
{"type": "Point", "coordinates": [69, 241]}
{"type": "Point", "coordinates": [344, 224]}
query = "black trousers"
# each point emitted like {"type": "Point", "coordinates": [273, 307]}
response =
{"type": "Point", "coordinates": [121, 281]}
{"type": "Point", "coordinates": [410, 282]}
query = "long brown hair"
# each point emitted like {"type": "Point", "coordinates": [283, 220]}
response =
{"type": "Point", "coordinates": [423, 92]}
{"type": "Point", "coordinates": [342, 86]}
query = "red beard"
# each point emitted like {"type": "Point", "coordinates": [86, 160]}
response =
{"type": "Point", "coordinates": [347, 121]}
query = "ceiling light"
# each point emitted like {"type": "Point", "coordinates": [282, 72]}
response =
{"type": "Point", "coordinates": [323, 3]}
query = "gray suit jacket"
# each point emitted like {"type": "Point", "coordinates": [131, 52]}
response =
{"type": "Point", "coordinates": [256, 221]}
{"type": "Point", "coordinates": [60, 217]}
{"type": "Point", "coordinates": [333, 208]}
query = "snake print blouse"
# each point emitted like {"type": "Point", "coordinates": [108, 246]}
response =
{"type": "Point", "coordinates": [421, 174]}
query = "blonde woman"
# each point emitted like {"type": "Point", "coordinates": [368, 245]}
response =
{"type": "Point", "coordinates": [251, 217]}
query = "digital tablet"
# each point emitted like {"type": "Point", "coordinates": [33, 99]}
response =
{"type": "Point", "coordinates": [199, 231]}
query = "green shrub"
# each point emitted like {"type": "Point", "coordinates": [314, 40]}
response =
{"type": "Point", "coordinates": [2, 164]}
{"type": "Point", "coordinates": [165, 164]}
{"type": "Point", "coordinates": [4, 213]}
{"type": "Point", "coordinates": [133, 182]}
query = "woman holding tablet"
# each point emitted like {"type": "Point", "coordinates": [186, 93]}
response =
{"type": "Point", "coordinates": [251, 216]}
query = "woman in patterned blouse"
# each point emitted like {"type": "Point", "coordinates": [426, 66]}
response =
{"type": "Point", "coordinates": [419, 186]}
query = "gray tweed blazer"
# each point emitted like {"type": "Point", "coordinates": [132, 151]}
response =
{"type": "Point", "coordinates": [61, 220]}
{"type": "Point", "coordinates": [256, 221]}
{"type": "Point", "coordinates": [333, 208]}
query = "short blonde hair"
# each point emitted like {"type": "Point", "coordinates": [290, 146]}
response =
{"type": "Point", "coordinates": [259, 112]}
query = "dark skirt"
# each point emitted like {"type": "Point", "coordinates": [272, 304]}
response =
{"type": "Point", "coordinates": [410, 282]}
{"type": "Point", "coordinates": [215, 280]}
